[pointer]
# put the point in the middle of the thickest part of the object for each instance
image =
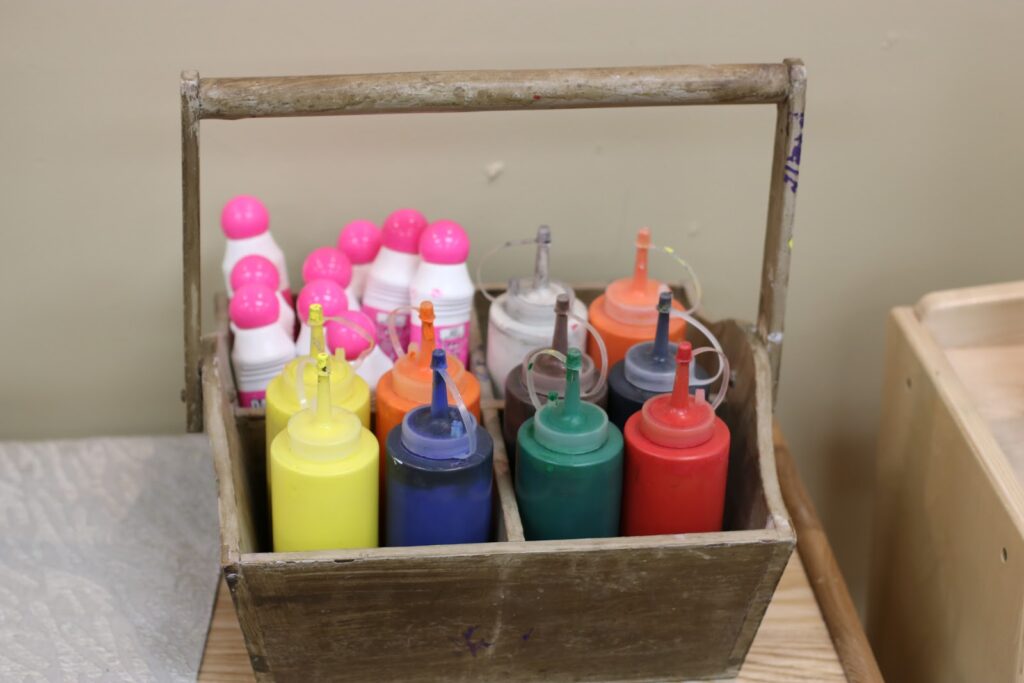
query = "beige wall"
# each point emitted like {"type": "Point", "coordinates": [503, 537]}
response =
{"type": "Point", "coordinates": [911, 180]}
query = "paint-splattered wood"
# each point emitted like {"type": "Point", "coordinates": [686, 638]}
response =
{"type": "Point", "coordinates": [792, 645]}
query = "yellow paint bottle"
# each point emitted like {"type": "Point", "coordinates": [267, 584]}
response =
{"type": "Point", "coordinates": [348, 390]}
{"type": "Point", "coordinates": [323, 475]}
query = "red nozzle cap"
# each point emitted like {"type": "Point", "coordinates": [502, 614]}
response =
{"type": "Point", "coordinates": [678, 420]}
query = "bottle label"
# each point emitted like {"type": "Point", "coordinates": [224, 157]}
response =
{"type": "Point", "coordinates": [454, 339]}
{"type": "Point", "coordinates": [380, 320]}
{"type": "Point", "coordinates": [252, 399]}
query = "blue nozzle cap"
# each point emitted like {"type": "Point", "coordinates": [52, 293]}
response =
{"type": "Point", "coordinates": [651, 365]}
{"type": "Point", "coordinates": [436, 431]}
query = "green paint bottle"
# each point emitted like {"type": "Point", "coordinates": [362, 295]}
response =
{"type": "Point", "coordinates": [568, 463]}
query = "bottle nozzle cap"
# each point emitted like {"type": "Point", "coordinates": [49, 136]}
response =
{"type": "Point", "coordinates": [324, 431]}
{"type": "Point", "coordinates": [631, 300]}
{"type": "Point", "coordinates": [678, 420]}
{"type": "Point", "coordinates": [437, 431]}
{"type": "Point", "coordinates": [571, 426]}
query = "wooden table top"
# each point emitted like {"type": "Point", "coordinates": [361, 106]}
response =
{"type": "Point", "coordinates": [797, 640]}
{"type": "Point", "coordinates": [792, 644]}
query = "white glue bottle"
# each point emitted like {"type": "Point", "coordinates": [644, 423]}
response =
{"type": "Point", "coordinates": [523, 317]}
{"type": "Point", "coordinates": [261, 348]}
{"type": "Point", "coordinates": [387, 286]}
{"type": "Point", "coordinates": [442, 278]}
{"type": "Point", "coordinates": [258, 270]}
{"type": "Point", "coordinates": [245, 223]}
{"type": "Point", "coordinates": [330, 295]}
{"type": "Point", "coordinates": [360, 242]}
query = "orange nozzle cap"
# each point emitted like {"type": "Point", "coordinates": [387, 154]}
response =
{"type": "Point", "coordinates": [427, 338]}
{"type": "Point", "coordinates": [643, 245]}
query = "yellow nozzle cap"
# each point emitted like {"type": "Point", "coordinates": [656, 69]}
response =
{"type": "Point", "coordinates": [324, 432]}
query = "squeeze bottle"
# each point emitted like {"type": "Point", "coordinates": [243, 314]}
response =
{"type": "Point", "coordinates": [442, 277]}
{"type": "Point", "coordinates": [261, 347]}
{"type": "Point", "coordinates": [439, 471]}
{"type": "Point", "coordinates": [286, 394]}
{"type": "Point", "coordinates": [522, 318]}
{"type": "Point", "coordinates": [649, 368]}
{"type": "Point", "coordinates": [256, 269]}
{"type": "Point", "coordinates": [677, 459]}
{"type": "Point", "coordinates": [328, 263]}
{"type": "Point", "coordinates": [625, 314]}
{"type": "Point", "coordinates": [387, 285]}
{"type": "Point", "coordinates": [409, 383]}
{"type": "Point", "coordinates": [330, 295]}
{"type": "Point", "coordinates": [245, 223]}
{"type": "Point", "coordinates": [568, 464]}
{"type": "Point", "coordinates": [549, 375]}
{"type": "Point", "coordinates": [323, 477]}
{"type": "Point", "coordinates": [360, 240]}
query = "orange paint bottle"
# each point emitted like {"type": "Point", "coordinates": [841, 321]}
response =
{"type": "Point", "coordinates": [626, 314]}
{"type": "Point", "coordinates": [409, 383]}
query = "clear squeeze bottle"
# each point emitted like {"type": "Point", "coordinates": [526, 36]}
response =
{"type": "Point", "coordinates": [258, 270]}
{"type": "Point", "coordinates": [522, 318]}
{"type": "Point", "coordinates": [442, 277]}
{"type": "Point", "coordinates": [549, 376]}
{"type": "Point", "coordinates": [330, 295]}
{"type": "Point", "coordinates": [409, 383]}
{"type": "Point", "coordinates": [328, 263]}
{"type": "Point", "coordinates": [360, 240]}
{"type": "Point", "coordinates": [245, 223]}
{"type": "Point", "coordinates": [348, 340]}
{"type": "Point", "coordinates": [649, 368]}
{"type": "Point", "coordinates": [568, 464]}
{"type": "Point", "coordinates": [287, 391]}
{"type": "Point", "coordinates": [323, 477]}
{"type": "Point", "coordinates": [625, 314]}
{"type": "Point", "coordinates": [677, 460]}
{"type": "Point", "coordinates": [387, 286]}
{"type": "Point", "coordinates": [261, 347]}
{"type": "Point", "coordinates": [439, 471]}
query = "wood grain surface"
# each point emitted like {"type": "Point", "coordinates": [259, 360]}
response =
{"type": "Point", "coordinates": [792, 645]}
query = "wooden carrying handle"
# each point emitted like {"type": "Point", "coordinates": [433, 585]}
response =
{"type": "Point", "coordinates": [465, 91]}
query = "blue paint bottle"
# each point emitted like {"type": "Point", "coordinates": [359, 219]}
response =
{"type": "Point", "coordinates": [439, 471]}
{"type": "Point", "coordinates": [649, 368]}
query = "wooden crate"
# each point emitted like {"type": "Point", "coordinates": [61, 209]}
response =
{"type": "Point", "coordinates": [650, 608]}
{"type": "Point", "coordinates": [947, 585]}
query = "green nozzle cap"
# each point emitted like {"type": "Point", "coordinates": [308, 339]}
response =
{"type": "Point", "coordinates": [570, 425]}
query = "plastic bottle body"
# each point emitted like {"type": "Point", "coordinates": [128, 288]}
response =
{"type": "Point", "coordinates": [347, 391]}
{"type": "Point", "coordinates": [263, 245]}
{"type": "Point", "coordinates": [387, 288]}
{"type": "Point", "coordinates": [510, 339]}
{"type": "Point", "coordinates": [258, 355]}
{"type": "Point", "coordinates": [431, 502]}
{"type": "Point", "coordinates": [356, 288]}
{"type": "Point", "coordinates": [674, 490]}
{"type": "Point", "coordinates": [450, 289]}
{"type": "Point", "coordinates": [519, 408]}
{"type": "Point", "coordinates": [619, 336]}
{"type": "Point", "coordinates": [565, 496]}
{"type": "Point", "coordinates": [323, 505]}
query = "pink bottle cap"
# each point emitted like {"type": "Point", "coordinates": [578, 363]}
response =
{"type": "Point", "coordinates": [360, 240]}
{"type": "Point", "coordinates": [444, 242]}
{"type": "Point", "coordinates": [255, 270]}
{"type": "Point", "coordinates": [401, 230]}
{"type": "Point", "coordinates": [327, 293]}
{"type": "Point", "coordinates": [244, 216]}
{"type": "Point", "coordinates": [254, 306]}
{"type": "Point", "coordinates": [344, 337]}
{"type": "Point", "coordinates": [327, 263]}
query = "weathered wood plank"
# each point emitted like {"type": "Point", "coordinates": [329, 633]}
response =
{"type": "Point", "coordinates": [192, 289]}
{"type": "Point", "coordinates": [463, 91]}
{"type": "Point", "coordinates": [778, 238]}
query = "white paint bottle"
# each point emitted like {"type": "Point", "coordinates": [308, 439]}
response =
{"type": "Point", "coordinates": [443, 279]}
{"type": "Point", "coordinates": [523, 317]}
{"type": "Point", "coordinates": [261, 348]}
{"type": "Point", "coordinates": [246, 224]}
{"type": "Point", "coordinates": [387, 286]}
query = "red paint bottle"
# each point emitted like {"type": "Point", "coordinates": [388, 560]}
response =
{"type": "Point", "coordinates": [677, 460]}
